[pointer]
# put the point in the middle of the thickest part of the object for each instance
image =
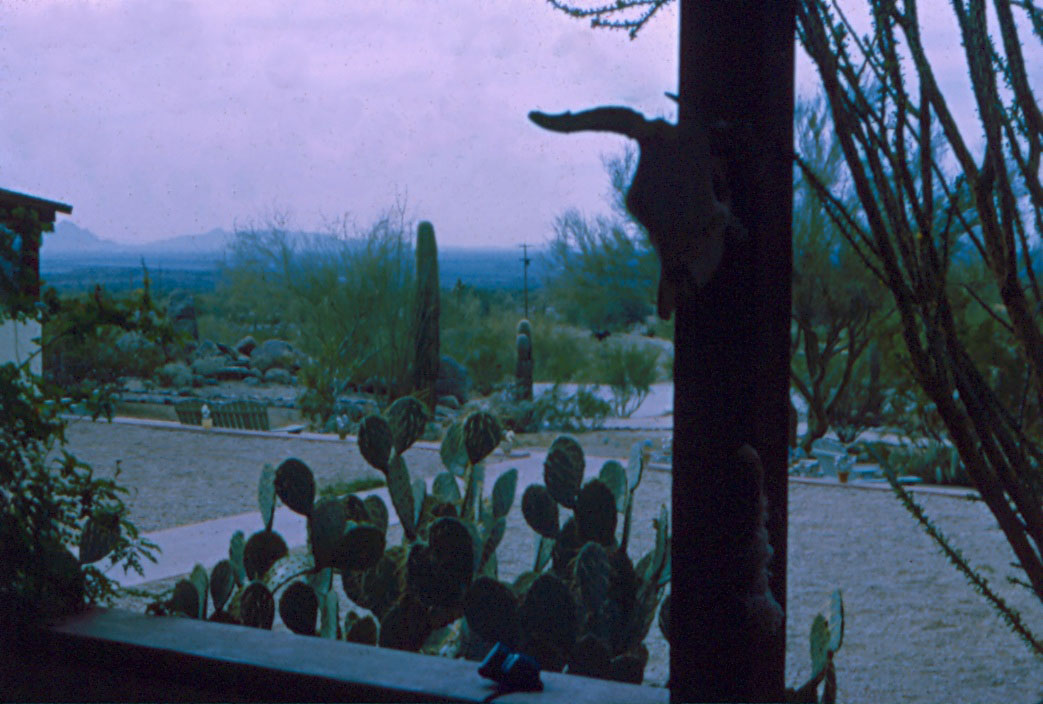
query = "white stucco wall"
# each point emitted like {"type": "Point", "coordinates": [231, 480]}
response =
{"type": "Point", "coordinates": [16, 343]}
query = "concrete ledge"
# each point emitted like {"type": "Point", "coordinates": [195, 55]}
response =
{"type": "Point", "coordinates": [111, 655]}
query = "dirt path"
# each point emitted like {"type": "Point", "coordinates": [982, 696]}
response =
{"type": "Point", "coordinates": [916, 632]}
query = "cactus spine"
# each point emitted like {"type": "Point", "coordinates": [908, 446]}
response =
{"type": "Point", "coordinates": [523, 369]}
{"type": "Point", "coordinates": [425, 362]}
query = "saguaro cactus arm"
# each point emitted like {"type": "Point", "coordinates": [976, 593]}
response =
{"type": "Point", "coordinates": [688, 219]}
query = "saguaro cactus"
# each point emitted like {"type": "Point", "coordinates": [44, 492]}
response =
{"type": "Point", "coordinates": [523, 369]}
{"type": "Point", "coordinates": [425, 363]}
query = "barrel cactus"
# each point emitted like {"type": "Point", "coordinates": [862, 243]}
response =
{"type": "Point", "coordinates": [425, 331]}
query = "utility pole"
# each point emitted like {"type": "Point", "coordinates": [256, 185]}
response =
{"type": "Point", "coordinates": [525, 275]}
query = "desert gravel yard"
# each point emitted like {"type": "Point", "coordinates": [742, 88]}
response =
{"type": "Point", "coordinates": [916, 631]}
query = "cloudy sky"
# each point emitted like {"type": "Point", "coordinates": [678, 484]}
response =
{"type": "Point", "coordinates": [159, 118]}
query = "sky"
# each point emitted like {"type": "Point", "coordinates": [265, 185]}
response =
{"type": "Point", "coordinates": [157, 118]}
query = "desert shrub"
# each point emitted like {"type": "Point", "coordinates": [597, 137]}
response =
{"type": "Point", "coordinates": [343, 298]}
{"type": "Point", "coordinates": [629, 370]}
{"type": "Point", "coordinates": [933, 462]}
{"type": "Point", "coordinates": [603, 272]}
{"type": "Point", "coordinates": [478, 330]}
{"type": "Point", "coordinates": [562, 354]}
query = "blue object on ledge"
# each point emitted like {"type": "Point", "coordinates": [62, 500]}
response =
{"type": "Point", "coordinates": [512, 671]}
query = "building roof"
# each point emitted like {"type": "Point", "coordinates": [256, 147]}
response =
{"type": "Point", "coordinates": [47, 207]}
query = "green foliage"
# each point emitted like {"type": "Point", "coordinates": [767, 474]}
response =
{"type": "Point", "coordinates": [344, 299]}
{"type": "Point", "coordinates": [602, 272]}
{"type": "Point", "coordinates": [426, 315]}
{"type": "Point", "coordinates": [414, 590]}
{"type": "Point", "coordinates": [49, 500]}
{"type": "Point", "coordinates": [477, 332]}
{"type": "Point", "coordinates": [591, 611]}
{"type": "Point", "coordinates": [825, 639]}
{"type": "Point", "coordinates": [629, 370]}
{"type": "Point", "coordinates": [933, 462]}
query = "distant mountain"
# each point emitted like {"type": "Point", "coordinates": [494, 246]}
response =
{"type": "Point", "coordinates": [69, 238]}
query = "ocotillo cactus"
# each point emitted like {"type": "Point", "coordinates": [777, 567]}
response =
{"type": "Point", "coordinates": [523, 370]}
{"type": "Point", "coordinates": [425, 362]}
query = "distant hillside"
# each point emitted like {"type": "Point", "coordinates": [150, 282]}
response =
{"type": "Point", "coordinates": [73, 258]}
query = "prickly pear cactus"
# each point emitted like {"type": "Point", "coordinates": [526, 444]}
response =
{"type": "Point", "coordinates": [407, 418]}
{"type": "Point", "coordinates": [375, 441]}
{"type": "Point", "coordinates": [295, 486]}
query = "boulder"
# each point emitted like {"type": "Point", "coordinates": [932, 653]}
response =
{"type": "Point", "coordinates": [206, 349]}
{"type": "Point", "coordinates": [208, 366]}
{"type": "Point", "coordinates": [453, 379]}
{"type": "Point", "coordinates": [181, 309]}
{"type": "Point", "coordinates": [274, 353]}
{"type": "Point", "coordinates": [228, 373]}
{"type": "Point", "coordinates": [278, 375]}
{"type": "Point", "coordinates": [174, 374]}
{"type": "Point", "coordinates": [246, 346]}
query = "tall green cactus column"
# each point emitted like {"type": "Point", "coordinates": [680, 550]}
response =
{"type": "Point", "coordinates": [523, 369]}
{"type": "Point", "coordinates": [425, 363]}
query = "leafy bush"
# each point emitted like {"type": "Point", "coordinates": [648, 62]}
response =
{"type": "Point", "coordinates": [478, 330]}
{"type": "Point", "coordinates": [603, 272]}
{"type": "Point", "coordinates": [629, 369]}
{"type": "Point", "coordinates": [552, 409]}
{"type": "Point", "coordinates": [343, 298]}
{"type": "Point", "coordinates": [563, 354]}
{"type": "Point", "coordinates": [933, 462]}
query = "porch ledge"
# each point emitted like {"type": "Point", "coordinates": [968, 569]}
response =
{"type": "Point", "coordinates": [114, 655]}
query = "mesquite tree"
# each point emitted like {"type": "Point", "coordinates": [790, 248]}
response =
{"type": "Point", "coordinates": [894, 125]}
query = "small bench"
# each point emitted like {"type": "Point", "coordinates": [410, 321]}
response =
{"type": "Point", "coordinates": [241, 414]}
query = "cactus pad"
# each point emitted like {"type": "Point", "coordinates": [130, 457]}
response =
{"type": "Point", "coordinates": [299, 608]}
{"type": "Point", "coordinates": [201, 582]}
{"type": "Point", "coordinates": [590, 657]}
{"type": "Point", "coordinates": [405, 626]}
{"type": "Point", "coordinates": [363, 630]}
{"type": "Point", "coordinates": [261, 551]}
{"type": "Point", "coordinates": [257, 608]}
{"type": "Point", "coordinates": [596, 513]}
{"type": "Point", "coordinates": [185, 599]}
{"type": "Point", "coordinates": [378, 512]}
{"type": "Point", "coordinates": [491, 610]}
{"type": "Point", "coordinates": [482, 433]}
{"type": "Point", "coordinates": [615, 478]}
{"type": "Point", "coordinates": [836, 621]}
{"type": "Point", "coordinates": [407, 418]}
{"type": "Point", "coordinates": [592, 572]}
{"type": "Point", "coordinates": [566, 546]}
{"type": "Point", "coordinates": [544, 549]}
{"type": "Point", "coordinates": [445, 489]}
{"type": "Point", "coordinates": [562, 474]}
{"type": "Point", "coordinates": [549, 613]}
{"type": "Point", "coordinates": [236, 548]}
{"type": "Point", "coordinates": [329, 614]}
{"type": "Point", "coordinates": [636, 465]}
{"type": "Point", "coordinates": [540, 511]}
{"type": "Point", "coordinates": [266, 495]}
{"type": "Point", "coordinates": [375, 441]}
{"type": "Point", "coordinates": [503, 492]}
{"type": "Point", "coordinates": [453, 547]}
{"type": "Point", "coordinates": [426, 581]}
{"type": "Point", "coordinates": [492, 541]}
{"type": "Point", "coordinates": [295, 486]}
{"type": "Point", "coordinates": [819, 644]}
{"type": "Point", "coordinates": [452, 450]}
{"type": "Point", "coordinates": [382, 584]}
{"type": "Point", "coordinates": [568, 444]}
{"type": "Point", "coordinates": [222, 582]}
{"type": "Point", "coordinates": [355, 509]}
{"type": "Point", "coordinates": [362, 546]}
{"type": "Point", "coordinates": [401, 495]}
{"type": "Point", "coordinates": [285, 568]}
{"type": "Point", "coordinates": [664, 618]}
{"type": "Point", "coordinates": [325, 528]}
{"type": "Point", "coordinates": [419, 489]}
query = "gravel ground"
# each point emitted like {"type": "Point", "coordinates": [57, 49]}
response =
{"type": "Point", "coordinates": [916, 631]}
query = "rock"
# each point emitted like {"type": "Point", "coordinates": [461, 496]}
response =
{"type": "Point", "coordinates": [205, 349]}
{"type": "Point", "coordinates": [181, 309]}
{"type": "Point", "coordinates": [174, 374]}
{"type": "Point", "coordinates": [208, 366]}
{"type": "Point", "coordinates": [274, 353]}
{"type": "Point", "coordinates": [246, 346]}
{"type": "Point", "coordinates": [449, 402]}
{"type": "Point", "coordinates": [453, 379]}
{"type": "Point", "coordinates": [251, 381]}
{"type": "Point", "coordinates": [277, 375]}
